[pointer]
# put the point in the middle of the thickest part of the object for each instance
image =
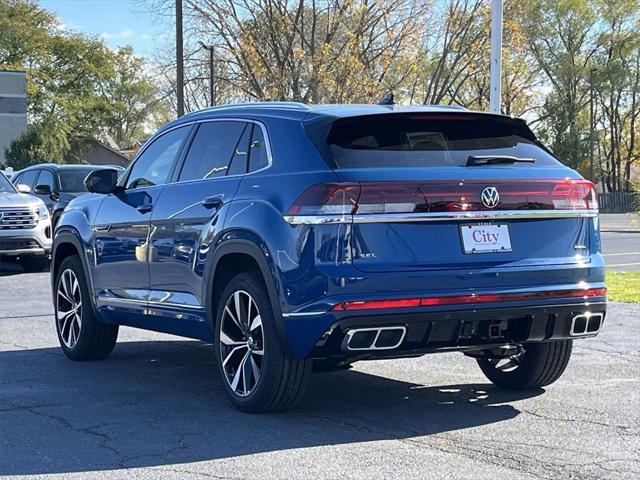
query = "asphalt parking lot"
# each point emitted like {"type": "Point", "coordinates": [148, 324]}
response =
{"type": "Point", "coordinates": [621, 241]}
{"type": "Point", "coordinates": [621, 250]}
{"type": "Point", "coordinates": [156, 409]}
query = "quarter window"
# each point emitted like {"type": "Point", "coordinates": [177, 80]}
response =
{"type": "Point", "coordinates": [154, 165]}
{"type": "Point", "coordinates": [258, 155]}
{"type": "Point", "coordinates": [212, 149]}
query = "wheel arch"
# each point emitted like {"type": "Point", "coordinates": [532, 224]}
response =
{"type": "Point", "coordinates": [243, 255]}
{"type": "Point", "coordinates": [67, 242]}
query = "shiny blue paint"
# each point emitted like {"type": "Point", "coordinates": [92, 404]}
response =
{"type": "Point", "coordinates": [307, 268]}
{"type": "Point", "coordinates": [182, 233]}
{"type": "Point", "coordinates": [120, 232]}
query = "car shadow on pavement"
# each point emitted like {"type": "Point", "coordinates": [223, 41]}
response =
{"type": "Point", "coordinates": [162, 403]}
{"type": "Point", "coordinates": [11, 266]}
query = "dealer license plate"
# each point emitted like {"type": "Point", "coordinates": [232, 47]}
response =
{"type": "Point", "coordinates": [485, 238]}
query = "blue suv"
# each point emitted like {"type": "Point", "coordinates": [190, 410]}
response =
{"type": "Point", "coordinates": [298, 238]}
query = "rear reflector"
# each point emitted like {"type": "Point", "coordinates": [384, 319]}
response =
{"type": "Point", "coordinates": [443, 196]}
{"type": "Point", "coordinates": [468, 299]}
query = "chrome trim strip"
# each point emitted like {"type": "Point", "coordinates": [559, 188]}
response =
{"type": "Point", "coordinates": [125, 176]}
{"type": "Point", "coordinates": [117, 300]}
{"type": "Point", "coordinates": [303, 314]}
{"type": "Point", "coordinates": [317, 219]}
{"type": "Point", "coordinates": [438, 216]}
{"type": "Point", "coordinates": [155, 303]}
{"type": "Point", "coordinates": [149, 303]}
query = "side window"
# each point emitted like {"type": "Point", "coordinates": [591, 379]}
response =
{"type": "Point", "coordinates": [46, 178]}
{"type": "Point", "coordinates": [241, 155]}
{"type": "Point", "coordinates": [28, 178]}
{"type": "Point", "coordinates": [153, 166]}
{"type": "Point", "coordinates": [258, 156]}
{"type": "Point", "coordinates": [211, 150]}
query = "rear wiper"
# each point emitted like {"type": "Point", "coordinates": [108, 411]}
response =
{"type": "Point", "coordinates": [476, 160]}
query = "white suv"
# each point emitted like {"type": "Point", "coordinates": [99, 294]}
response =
{"type": "Point", "coordinates": [25, 227]}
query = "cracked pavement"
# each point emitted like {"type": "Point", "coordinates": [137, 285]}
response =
{"type": "Point", "coordinates": [156, 409]}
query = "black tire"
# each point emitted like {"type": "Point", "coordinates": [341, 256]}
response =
{"type": "Point", "coordinates": [539, 365]}
{"type": "Point", "coordinates": [93, 340]}
{"type": "Point", "coordinates": [281, 380]}
{"type": "Point", "coordinates": [34, 263]}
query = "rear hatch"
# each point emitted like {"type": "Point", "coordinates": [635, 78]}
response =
{"type": "Point", "coordinates": [449, 191]}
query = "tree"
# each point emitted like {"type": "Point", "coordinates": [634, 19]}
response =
{"type": "Point", "coordinates": [436, 51]}
{"type": "Point", "coordinates": [561, 37]}
{"type": "Point", "coordinates": [132, 98]}
{"type": "Point", "coordinates": [450, 54]}
{"type": "Point", "coordinates": [324, 51]}
{"type": "Point", "coordinates": [77, 88]}
{"type": "Point", "coordinates": [617, 86]}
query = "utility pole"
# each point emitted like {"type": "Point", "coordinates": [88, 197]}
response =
{"type": "Point", "coordinates": [179, 59]}
{"type": "Point", "coordinates": [592, 125]}
{"type": "Point", "coordinates": [210, 49]}
{"type": "Point", "coordinates": [496, 57]}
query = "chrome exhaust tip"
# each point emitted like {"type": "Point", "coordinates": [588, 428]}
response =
{"type": "Point", "coordinates": [374, 338]}
{"type": "Point", "coordinates": [586, 324]}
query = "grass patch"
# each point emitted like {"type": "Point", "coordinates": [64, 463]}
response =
{"type": "Point", "coordinates": [623, 286]}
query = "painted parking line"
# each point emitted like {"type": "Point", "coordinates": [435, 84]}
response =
{"type": "Point", "coordinates": [624, 264]}
{"type": "Point", "coordinates": [620, 254]}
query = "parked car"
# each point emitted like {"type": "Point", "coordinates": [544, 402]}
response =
{"type": "Point", "coordinates": [293, 236]}
{"type": "Point", "coordinates": [25, 227]}
{"type": "Point", "coordinates": [56, 184]}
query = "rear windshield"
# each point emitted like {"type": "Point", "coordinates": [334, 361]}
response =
{"type": "Point", "coordinates": [72, 179]}
{"type": "Point", "coordinates": [419, 140]}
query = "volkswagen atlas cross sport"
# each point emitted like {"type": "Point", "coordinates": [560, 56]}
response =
{"type": "Point", "coordinates": [293, 236]}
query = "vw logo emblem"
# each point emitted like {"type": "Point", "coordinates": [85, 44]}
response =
{"type": "Point", "coordinates": [490, 197]}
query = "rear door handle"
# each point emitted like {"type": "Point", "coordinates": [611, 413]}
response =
{"type": "Point", "coordinates": [212, 202]}
{"type": "Point", "coordinates": [146, 208]}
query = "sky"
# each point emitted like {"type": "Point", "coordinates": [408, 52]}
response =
{"type": "Point", "coordinates": [117, 22]}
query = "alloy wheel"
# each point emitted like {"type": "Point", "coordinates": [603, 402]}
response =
{"type": "Point", "coordinates": [69, 308]}
{"type": "Point", "coordinates": [241, 343]}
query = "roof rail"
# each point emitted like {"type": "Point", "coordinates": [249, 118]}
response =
{"type": "Point", "coordinates": [285, 105]}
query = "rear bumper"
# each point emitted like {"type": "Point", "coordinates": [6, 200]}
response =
{"type": "Point", "coordinates": [459, 329]}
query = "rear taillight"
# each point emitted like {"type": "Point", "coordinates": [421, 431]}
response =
{"type": "Point", "coordinates": [574, 195]}
{"type": "Point", "coordinates": [326, 199]}
{"type": "Point", "coordinates": [443, 196]}
{"type": "Point", "coordinates": [468, 299]}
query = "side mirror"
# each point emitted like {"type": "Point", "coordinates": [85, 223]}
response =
{"type": "Point", "coordinates": [22, 188]}
{"type": "Point", "coordinates": [42, 190]}
{"type": "Point", "coordinates": [102, 181]}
